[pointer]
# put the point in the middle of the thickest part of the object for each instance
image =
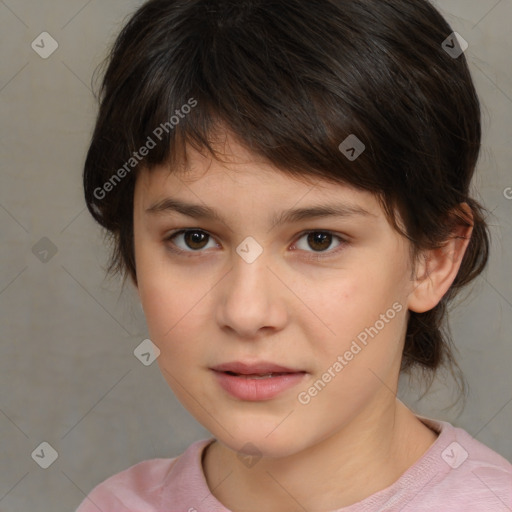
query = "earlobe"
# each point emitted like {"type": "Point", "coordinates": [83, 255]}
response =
{"type": "Point", "coordinates": [439, 268]}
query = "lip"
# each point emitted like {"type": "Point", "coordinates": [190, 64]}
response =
{"type": "Point", "coordinates": [260, 367]}
{"type": "Point", "coordinates": [247, 386]}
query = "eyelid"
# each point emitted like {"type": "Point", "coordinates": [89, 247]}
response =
{"type": "Point", "coordinates": [344, 241]}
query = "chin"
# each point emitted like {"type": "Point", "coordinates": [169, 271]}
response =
{"type": "Point", "coordinates": [252, 442]}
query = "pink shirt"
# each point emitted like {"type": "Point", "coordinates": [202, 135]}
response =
{"type": "Point", "coordinates": [456, 474]}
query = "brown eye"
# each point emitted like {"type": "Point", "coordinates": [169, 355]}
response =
{"type": "Point", "coordinates": [194, 240]}
{"type": "Point", "coordinates": [187, 242]}
{"type": "Point", "coordinates": [319, 240]}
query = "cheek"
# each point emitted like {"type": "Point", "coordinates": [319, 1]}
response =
{"type": "Point", "coordinates": [161, 302]}
{"type": "Point", "coordinates": [174, 311]}
{"type": "Point", "coordinates": [362, 319]}
{"type": "Point", "coordinates": [157, 285]}
{"type": "Point", "coordinates": [350, 303]}
{"type": "Point", "coordinates": [167, 311]}
{"type": "Point", "coordinates": [173, 326]}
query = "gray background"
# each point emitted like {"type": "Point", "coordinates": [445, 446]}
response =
{"type": "Point", "coordinates": [68, 375]}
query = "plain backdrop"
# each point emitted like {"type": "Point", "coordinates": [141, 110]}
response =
{"type": "Point", "coordinates": [68, 374]}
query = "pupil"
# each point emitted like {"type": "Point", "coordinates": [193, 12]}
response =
{"type": "Point", "coordinates": [318, 237]}
{"type": "Point", "coordinates": [194, 237]}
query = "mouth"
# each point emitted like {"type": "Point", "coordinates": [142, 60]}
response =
{"type": "Point", "coordinates": [256, 382]}
{"type": "Point", "coordinates": [260, 375]}
{"type": "Point", "coordinates": [261, 369]}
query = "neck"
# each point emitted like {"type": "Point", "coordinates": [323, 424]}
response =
{"type": "Point", "coordinates": [372, 452]}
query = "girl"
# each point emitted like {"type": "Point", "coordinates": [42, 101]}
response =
{"type": "Point", "coordinates": [287, 186]}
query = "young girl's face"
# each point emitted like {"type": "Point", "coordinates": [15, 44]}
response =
{"type": "Point", "coordinates": [246, 291]}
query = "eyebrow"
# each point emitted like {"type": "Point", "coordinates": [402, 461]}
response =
{"type": "Point", "coordinates": [199, 211]}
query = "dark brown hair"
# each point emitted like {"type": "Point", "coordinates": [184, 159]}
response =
{"type": "Point", "coordinates": [292, 80]}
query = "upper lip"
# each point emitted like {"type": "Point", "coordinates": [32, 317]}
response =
{"type": "Point", "coordinates": [261, 367]}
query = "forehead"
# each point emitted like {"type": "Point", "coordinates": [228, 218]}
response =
{"type": "Point", "coordinates": [240, 176]}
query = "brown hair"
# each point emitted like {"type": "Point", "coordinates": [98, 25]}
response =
{"type": "Point", "coordinates": [291, 80]}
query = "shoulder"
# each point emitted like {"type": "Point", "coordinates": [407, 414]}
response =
{"type": "Point", "coordinates": [128, 488]}
{"type": "Point", "coordinates": [476, 462]}
{"type": "Point", "coordinates": [140, 486]}
{"type": "Point", "coordinates": [470, 472]}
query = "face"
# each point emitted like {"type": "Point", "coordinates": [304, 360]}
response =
{"type": "Point", "coordinates": [324, 296]}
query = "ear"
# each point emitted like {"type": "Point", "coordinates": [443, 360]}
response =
{"type": "Point", "coordinates": [438, 268]}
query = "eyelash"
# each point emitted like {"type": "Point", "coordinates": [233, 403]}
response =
{"type": "Point", "coordinates": [313, 257]}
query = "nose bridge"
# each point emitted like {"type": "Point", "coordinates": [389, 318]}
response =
{"type": "Point", "coordinates": [250, 298]}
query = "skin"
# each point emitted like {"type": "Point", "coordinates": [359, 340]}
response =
{"type": "Point", "coordinates": [214, 307]}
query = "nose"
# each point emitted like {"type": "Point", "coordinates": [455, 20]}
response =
{"type": "Point", "coordinates": [252, 298]}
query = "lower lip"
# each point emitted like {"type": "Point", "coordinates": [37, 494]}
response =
{"type": "Point", "coordinates": [257, 389]}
